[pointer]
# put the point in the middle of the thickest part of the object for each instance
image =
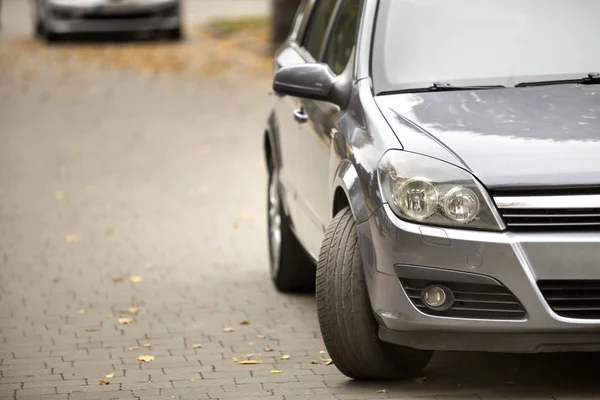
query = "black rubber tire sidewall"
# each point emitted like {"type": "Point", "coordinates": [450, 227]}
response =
{"type": "Point", "coordinates": [349, 329]}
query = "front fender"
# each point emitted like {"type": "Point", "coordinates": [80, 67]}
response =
{"type": "Point", "coordinates": [346, 178]}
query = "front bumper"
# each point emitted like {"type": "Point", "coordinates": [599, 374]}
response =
{"type": "Point", "coordinates": [518, 261]}
{"type": "Point", "coordinates": [66, 16]}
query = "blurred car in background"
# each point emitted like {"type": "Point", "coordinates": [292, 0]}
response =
{"type": "Point", "coordinates": [55, 18]}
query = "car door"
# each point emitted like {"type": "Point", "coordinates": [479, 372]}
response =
{"type": "Point", "coordinates": [306, 47]}
{"type": "Point", "coordinates": [320, 126]}
{"type": "Point", "coordinates": [284, 107]}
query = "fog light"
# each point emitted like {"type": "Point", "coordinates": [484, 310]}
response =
{"type": "Point", "coordinates": [437, 297]}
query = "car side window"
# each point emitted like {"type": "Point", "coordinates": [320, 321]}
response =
{"type": "Point", "coordinates": [317, 27]}
{"type": "Point", "coordinates": [298, 19]}
{"type": "Point", "coordinates": [343, 36]}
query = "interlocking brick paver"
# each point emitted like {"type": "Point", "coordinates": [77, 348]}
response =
{"type": "Point", "coordinates": [188, 393]}
{"type": "Point", "coordinates": [162, 176]}
{"type": "Point", "coordinates": [109, 395]}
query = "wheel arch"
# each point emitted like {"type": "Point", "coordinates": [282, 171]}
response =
{"type": "Point", "coordinates": [347, 191]}
{"type": "Point", "coordinates": [270, 148]}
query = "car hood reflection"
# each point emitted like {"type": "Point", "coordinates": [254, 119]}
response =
{"type": "Point", "coordinates": [526, 137]}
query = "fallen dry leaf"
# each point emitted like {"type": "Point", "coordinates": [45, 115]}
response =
{"type": "Point", "coordinates": [135, 303]}
{"type": "Point", "coordinates": [260, 336]}
{"type": "Point", "coordinates": [146, 358]}
{"type": "Point", "coordinates": [132, 310]}
{"type": "Point", "coordinates": [275, 371]}
{"type": "Point", "coordinates": [147, 345]}
{"type": "Point", "coordinates": [228, 329]}
{"type": "Point", "coordinates": [71, 238]}
{"type": "Point", "coordinates": [111, 375]}
{"type": "Point", "coordinates": [118, 278]}
{"type": "Point", "coordinates": [234, 359]}
{"type": "Point", "coordinates": [382, 391]}
{"type": "Point", "coordinates": [250, 343]}
{"type": "Point", "coordinates": [125, 321]}
{"type": "Point", "coordinates": [242, 218]}
{"type": "Point", "coordinates": [132, 348]}
{"type": "Point", "coordinates": [135, 279]}
{"type": "Point", "coordinates": [81, 311]}
{"type": "Point", "coordinates": [420, 380]}
{"type": "Point", "coordinates": [204, 149]}
{"type": "Point", "coordinates": [245, 322]}
{"type": "Point", "coordinates": [267, 349]}
{"type": "Point", "coordinates": [315, 362]}
{"type": "Point", "coordinates": [192, 379]}
{"type": "Point", "coordinates": [196, 346]}
{"type": "Point", "coordinates": [285, 357]}
{"type": "Point", "coordinates": [322, 352]}
{"type": "Point", "coordinates": [102, 382]}
{"type": "Point", "coordinates": [247, 355]}
{"type": "Point", "coordinates": [250, 362]}
{"type": "Point", "coordinates": [92, 329]}
{"type": "Point", "coordinates": [329, 362]}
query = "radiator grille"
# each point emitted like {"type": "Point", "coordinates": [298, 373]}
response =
{"type": "Point", "coordinates": [551, 219]}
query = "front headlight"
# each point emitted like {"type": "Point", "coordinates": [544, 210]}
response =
{"type": "Point", "coordinates": [424, 189]}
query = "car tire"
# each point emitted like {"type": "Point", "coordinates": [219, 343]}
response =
{"type": "Point", "coordinates": [51, 37]}
{"type": "Point", "coordinates": [348, 326]}
{"type": "Point", "coordinates": [38, 30]}
{"type": "Point", "coordinates": [176, 34]}
{"type": "Point", "coordinates": [291, 268]}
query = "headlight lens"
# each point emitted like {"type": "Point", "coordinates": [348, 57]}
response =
{"type": "Point", "coordinates": [461, 205]}
{"type": "Point", "coordinates": [416, 198]}
{"type": "Point", "coordinates": [424, 189]}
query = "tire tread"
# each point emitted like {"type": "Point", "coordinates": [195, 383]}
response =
{"type": "Point", "coordinates": [348, 326]}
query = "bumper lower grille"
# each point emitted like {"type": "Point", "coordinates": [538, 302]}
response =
{"type": "Point", "coordinates": [555, 210]}
{"type": "Point", "coordinates": [573, 298]}
{"type": "Point", "coordinates": [471, 300]}
{"type": "Point", "coordinates": [66, 14]}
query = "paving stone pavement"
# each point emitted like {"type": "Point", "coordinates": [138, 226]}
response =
{"type": "Point", "coordinates": [106, 174]}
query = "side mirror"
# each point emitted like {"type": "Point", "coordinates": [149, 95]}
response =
{"type": "Point", "coordinates": [308, 81]}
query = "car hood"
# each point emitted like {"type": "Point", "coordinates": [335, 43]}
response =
{"type": "Point", "coordinates": [513, 138]}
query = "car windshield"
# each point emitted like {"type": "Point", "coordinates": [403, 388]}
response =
{"type": "Point", "coordinates": [483, 42]}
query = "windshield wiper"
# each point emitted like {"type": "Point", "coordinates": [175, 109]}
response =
{"type": "Point", "coordinates": [443, 87]}
{"type": "Point", "coordinates": [591, 79]}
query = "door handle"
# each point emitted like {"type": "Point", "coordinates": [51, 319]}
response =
{"type": "Point", "coordinates": [300, 116]}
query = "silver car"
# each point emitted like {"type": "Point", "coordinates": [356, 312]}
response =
{"type": "Point", "coordinates": [53, 18]}
{"type": "Point", "coordinates": [439, 162]}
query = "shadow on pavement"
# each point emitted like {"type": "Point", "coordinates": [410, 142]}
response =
{"type": "Point", "coordinates": [112, 38]}
{"type": "Point", "coordinates": [503, 375]}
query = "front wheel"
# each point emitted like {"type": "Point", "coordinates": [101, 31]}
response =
{"type": "Point", "coordinates": [345, 315]}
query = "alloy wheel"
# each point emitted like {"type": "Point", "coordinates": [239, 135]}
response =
{"type": "Point", "coordinates": [274, 219]}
